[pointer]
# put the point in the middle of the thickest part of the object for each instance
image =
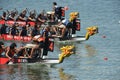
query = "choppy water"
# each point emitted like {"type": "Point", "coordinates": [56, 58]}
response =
{"type": "Point", "coordinates": [88, 63]}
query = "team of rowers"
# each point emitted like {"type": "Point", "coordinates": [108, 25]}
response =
{"type": "Point", "coordinates": [10, 51]}
{"type": "Point", "coordinates": [64, 28]}
{"type": "Point", "coordinates": [42, 17]}
{"type": "Point", "coordinates": [41, 43]}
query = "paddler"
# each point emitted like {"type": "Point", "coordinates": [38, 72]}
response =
{"type": "Point", "coordinates": [32, 17]}
{"type": "Point", "coordinates": [65, 26]}
{"type": "Point", "coordinates": [14, 31]}
{"type": "Point", "coordinates": [35, 31]}
{"type": "Point", "coordinates": [73, 19]}
{"type": "Point", "coordinates": [11, 17]}
{"type": "Point", "coordinates": [3, 17]}
{"type": "Point", "coordinates": [12, 50]}
{"type": "Point", "coordinates": [41, 18]}
{"type": "Point", "coordinates": [57, 10]}
{"type": "Point", "coordinates": [12, 14]}
{"type": "Point", "coordinates": [45, 35]}
{"type": "Point", "coordinates": [22, 16]}
{"type": "Point", "coordinates": [23, 31]}
{"type": "Point", "coordinates": [3, 29]}
{"type": "Point", "coordinates": [43, 43]}
{"type": "Point", "coordinates": [22, 53]}
{"type": "Point", "coordinates": [54, 6]}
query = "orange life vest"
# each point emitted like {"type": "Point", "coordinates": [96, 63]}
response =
{"type": "Point", "coordinates": [41, 39]}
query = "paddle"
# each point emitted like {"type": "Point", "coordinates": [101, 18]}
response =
{"type": "Point", "coordinates": [9, 61]}
{"type": "Point", "coordinates": [27, 10]}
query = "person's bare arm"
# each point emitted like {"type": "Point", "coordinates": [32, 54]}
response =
{"type": "Point", "coordinates": [7, 52]}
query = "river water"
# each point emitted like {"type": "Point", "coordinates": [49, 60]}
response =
{"type": "Point", "coordinates": [95, 59]}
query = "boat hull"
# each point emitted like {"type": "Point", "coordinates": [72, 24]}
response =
{"type": "Point", "coordinates": [5, 60]}
{"type": "Point", "coordinates": [73, 39]}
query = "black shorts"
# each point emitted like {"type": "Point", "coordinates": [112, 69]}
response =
{"type": "Point", "coordinates": [69, 25]}
{"type": "Point", "coordinates": [41, 44]}
{"type": "Point", "coordinates": [20, 53]}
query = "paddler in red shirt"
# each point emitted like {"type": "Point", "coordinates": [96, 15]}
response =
{"type": "Point", "coordinates": [12, 50]}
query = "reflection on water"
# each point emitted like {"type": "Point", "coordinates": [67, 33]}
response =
{"type": "Point", "coordinates": [38, 72]}
{"type": "Point", "coordinates": [90, 50]}
{"type": "Point", "coordinates": [24, 72]}
{"type": "Point", "coordinates": [31, 72]}
{"type": "Point", "coordinates": [42, 72]}
{"type": "Point", "coordinates": [85, 50]}
{"type": "Point", "coordinates": [87, 63]}
{"type": "Point", "coordinates": [12, 72]}
{"type": "Point", "coordinates": [64, 76]}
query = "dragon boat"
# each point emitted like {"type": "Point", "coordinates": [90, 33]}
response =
{"type": "Point", "coordinates": [66, 51]}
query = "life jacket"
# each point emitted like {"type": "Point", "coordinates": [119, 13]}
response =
{"type": "Point", "coordinates": [63, 13]}
{"type": "Point", "coordinates": [41, 39]}
{"type": "Point", "coordinates": [78, 27]}
{"type": "Point", "coordinates": [51, 45]}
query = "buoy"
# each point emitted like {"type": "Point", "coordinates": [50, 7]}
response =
{"type": "Point", "coordinates": [104, 36]}
{"type": "Point", "coordinates": [105, 58]}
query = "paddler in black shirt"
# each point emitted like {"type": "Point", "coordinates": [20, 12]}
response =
{"type": "Point", "coordinates": [32, 17]}
{"type": "Point", "coordinates": [14, 31]}
{"type": "Point", "coordinates": [41, 19]}
{"type": "Point", "coordinates": [12, 14]}
{"type": "Point", "coordinates": [22, 16]}
{"type": "Point", "coordinates": [11, 17]}
{"type": "Point", "coordinates": [3, 17]}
